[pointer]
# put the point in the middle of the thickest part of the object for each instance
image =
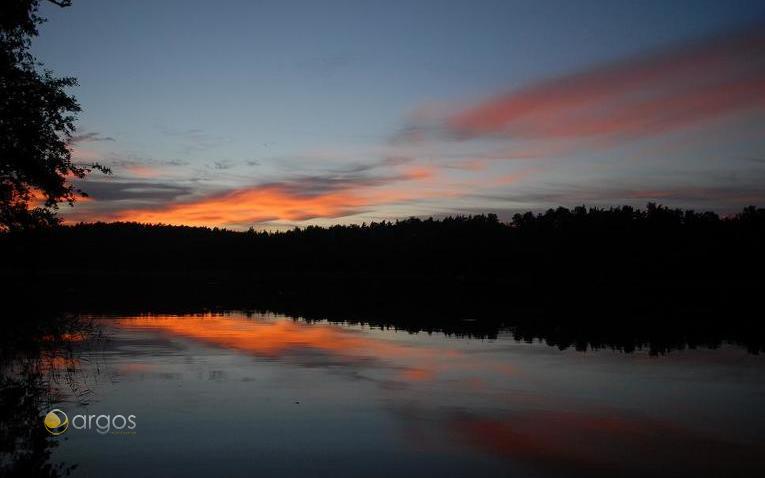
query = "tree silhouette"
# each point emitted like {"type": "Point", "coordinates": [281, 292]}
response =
{"type": "Point", "coordinates": [584, 277]}
{"type": "Point", "coordinates": [36, 124]}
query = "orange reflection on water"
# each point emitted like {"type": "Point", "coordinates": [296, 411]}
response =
{"type": "Point", "coordinates": [135, 368]}
{"type": "Point", "coordinates": [278, 338]}
{"type": "Point", "coordinates": [66, 337]}
{"type": "Point", "coordinates": [50, 363]}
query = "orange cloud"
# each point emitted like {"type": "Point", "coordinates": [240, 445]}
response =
{"type": "Point", "coordinates": [252, 205]}
{"type": "Point", "coordinates": [298, 200]}
{"type": "Point", "coordinates": [650, 95]}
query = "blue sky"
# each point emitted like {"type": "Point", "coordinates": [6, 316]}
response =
{"type": "Point", "coordinates": [240, 113]}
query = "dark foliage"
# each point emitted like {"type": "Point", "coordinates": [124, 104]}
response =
{"type": "Point", "coordinates": [36, 122]}
{"type": "Point", "coordinates": [28, 388]}
{"type": "Point", "coordinates": [621, 277]}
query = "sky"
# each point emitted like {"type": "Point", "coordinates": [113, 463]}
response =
{"type": "Point", "coordinates": [277, 113]}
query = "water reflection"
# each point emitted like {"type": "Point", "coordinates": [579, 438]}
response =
{"type": "Point", "coordinates": [237, 395]}
{"type": "Point", "coordinates": [301, 343]}
{"type": "Point", "coordinates": [37, 370]}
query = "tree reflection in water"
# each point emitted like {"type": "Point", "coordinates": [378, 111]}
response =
{"type": "Point", "coordinates": [38, 359]}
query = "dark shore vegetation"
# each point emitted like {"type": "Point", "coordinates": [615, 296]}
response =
{"type": "Point", "coordinates": [621, 277]}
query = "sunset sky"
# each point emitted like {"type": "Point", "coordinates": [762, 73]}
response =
{"type": "Point", "coordinates": [274, 113]}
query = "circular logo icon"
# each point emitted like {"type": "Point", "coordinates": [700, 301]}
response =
{"type": "Point", "coordinates": [56, 422]}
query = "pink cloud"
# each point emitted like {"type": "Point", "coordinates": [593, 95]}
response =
{"type": "Point", "coordinates": [143, 171]}
{"type": "Point", "coordinates": [650, 95]}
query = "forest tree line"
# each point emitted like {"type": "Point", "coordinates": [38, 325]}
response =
{"type": "Point", "coordinates": [579, 249]}
{"type": "Point", "coordinates": [619, 276]}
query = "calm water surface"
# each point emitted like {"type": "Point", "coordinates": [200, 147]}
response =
{"type": "Point", "coordinates": [268, 396]}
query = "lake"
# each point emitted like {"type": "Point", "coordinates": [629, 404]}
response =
{"type": "Point", "coordinates": [265, 395]}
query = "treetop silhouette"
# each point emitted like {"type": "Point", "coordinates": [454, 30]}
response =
{"type": "Point", "coordinates": [37, 121]}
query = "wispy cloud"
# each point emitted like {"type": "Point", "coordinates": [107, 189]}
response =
{"type": "Point", "coordinates": [194, 140]}
{"type": "Point", "coordinates": [88, 138]}
{"type": "Point", "coordinates": [137, 191]}
{"type": "Point", "coordinates": [142, 171]}
{"type": "Point", "coordinates": [648, 95]}
{"type": "Point", "coordinates": [108, 196]}
{"type": "Point", "coordinates": [329, 195]}
{"type": "Point", "coordinates": [222, 165]}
